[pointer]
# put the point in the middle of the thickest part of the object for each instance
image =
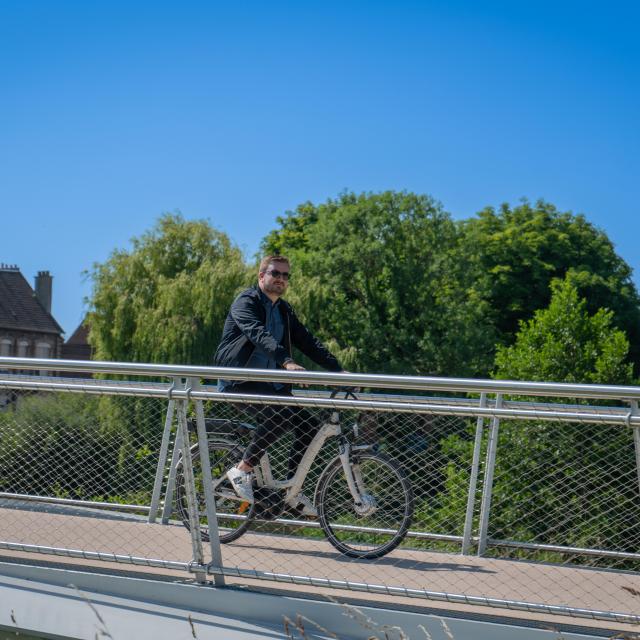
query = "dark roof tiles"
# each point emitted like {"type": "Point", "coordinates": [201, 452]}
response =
{"type": "Point", "coordinates": [19, 307]}
{"type": "Point", "coordinates": [80, 336]}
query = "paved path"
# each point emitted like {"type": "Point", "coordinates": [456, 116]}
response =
{"type": "Point", "coordinates": [129, 535]}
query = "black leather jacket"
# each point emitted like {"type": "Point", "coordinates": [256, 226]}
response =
{"type": "Point", "coordinates": [244, 328]}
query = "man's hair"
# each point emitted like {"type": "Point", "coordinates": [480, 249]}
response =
{"type": "Point", "coordinates": [267, 260]}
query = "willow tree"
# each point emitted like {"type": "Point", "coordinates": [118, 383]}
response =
{"type": "Point", "coordinates": [165, 299]}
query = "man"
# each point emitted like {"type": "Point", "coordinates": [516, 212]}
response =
{"type": "Point", "coordinates": [260, 332]}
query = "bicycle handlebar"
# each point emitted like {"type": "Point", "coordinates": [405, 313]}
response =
{"type": "Point", "coordinates": [348, 392]}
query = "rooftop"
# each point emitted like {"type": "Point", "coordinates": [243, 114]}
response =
{"type": "Point", "coordinates": [19, 307]}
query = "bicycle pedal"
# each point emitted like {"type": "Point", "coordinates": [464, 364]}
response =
{"type": "Point", "coordinates": [269, 503]}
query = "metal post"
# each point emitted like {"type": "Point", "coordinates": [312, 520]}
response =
{"type": "Point", "coordinates": [473, 481]}
{"type": "Point", "coordinates": [190, 490]}
{"type": "Point", "coordinates": [207, 483]}
{"type": "Point", "coordinates": [487, 485]}
{"type": "Point", "coordinates": [167, 508]}
{"type": "Point", "coordinates": [162, 458]}
{"type": "Point", "coordinates": [636, 439]}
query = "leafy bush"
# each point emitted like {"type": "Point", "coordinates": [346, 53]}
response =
{"type": "Point", "coordinates": [74, 446]}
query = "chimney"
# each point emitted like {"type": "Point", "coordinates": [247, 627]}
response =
{"type": "Point", "coordinates": [43, 289]}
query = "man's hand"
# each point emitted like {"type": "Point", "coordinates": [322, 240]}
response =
{"type": "Point", "coordinates": [353, 389]}
{"type": "Point", "coordinates": [293, 366]}
{"type": "Point", "coordinates": [290, 365]}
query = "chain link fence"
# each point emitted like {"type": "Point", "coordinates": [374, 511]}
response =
{"type": "Point", "coordinates": [576, 489]}
{"type": "Point", "coordinates": [76, 478]}
{"type": "Point", "coordinates": [476, 497]}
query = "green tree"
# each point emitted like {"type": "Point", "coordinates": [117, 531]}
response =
{"type": "Point", "coordinates": [167, 298]}
{"type": "Point", "coordinates": [163, 301]}
{"type": "Point", "coordinates": [522, 249]}
{"type": "Point", "coordinates": [383, 275]}
{"type": "Point", "coordinates": [563, 343]}
{"type": "Point", "coordinates": [558, 482]}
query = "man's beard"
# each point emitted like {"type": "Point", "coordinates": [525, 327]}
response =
{"type": "Point", "coordinates": [276, 288]}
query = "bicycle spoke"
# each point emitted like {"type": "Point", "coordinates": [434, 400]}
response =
{"type": "Point", "coordinates": [379, 523]}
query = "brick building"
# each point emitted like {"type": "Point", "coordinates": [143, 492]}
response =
{"type": "Point", "coordinates": [77, 347]}
{"type": "Point", "coordinates": [27, 328]}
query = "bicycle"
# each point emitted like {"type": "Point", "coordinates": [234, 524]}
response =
{"type": "Point", "coordinates": [363, 498]}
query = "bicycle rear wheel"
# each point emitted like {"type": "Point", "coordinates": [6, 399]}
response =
{"type": "Point", "coordinates": [377, 525]}
{"type": "Point", "coordinates": [234, 516]}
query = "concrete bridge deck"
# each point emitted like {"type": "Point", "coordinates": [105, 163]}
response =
{"type": "Point", "coordinates": [130, 535]}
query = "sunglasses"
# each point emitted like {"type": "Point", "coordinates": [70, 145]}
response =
{"type": "Point", "coordinates": [274, 273]}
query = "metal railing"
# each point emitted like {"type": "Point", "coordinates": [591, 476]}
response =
{"type": "Point", "coordinates": [518, 487]}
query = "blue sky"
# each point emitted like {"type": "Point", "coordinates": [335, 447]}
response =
{"type": "Point", "coordinates": [112, 113]}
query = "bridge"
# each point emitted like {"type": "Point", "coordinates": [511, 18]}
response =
{"type": "Point", "coordinates": [521, 526]}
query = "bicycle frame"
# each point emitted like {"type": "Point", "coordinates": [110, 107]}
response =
{"type": "Point", "coordinates": [264, 473]}
{"type": "Point", "coordinates": [332, 499]}
{"type": "Point", "coordinates": [293, 486]}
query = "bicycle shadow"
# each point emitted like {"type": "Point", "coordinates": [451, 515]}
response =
{"type": "Point", "coordinates": [389, 561]}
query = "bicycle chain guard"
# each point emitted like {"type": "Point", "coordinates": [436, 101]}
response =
{"type": "Point", "coordinates": [268, 503]}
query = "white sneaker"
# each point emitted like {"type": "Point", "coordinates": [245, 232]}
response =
{"type": "Point", "coordinates": [306, 506]}
{"type": "Point", "coordinates": [242, 483]}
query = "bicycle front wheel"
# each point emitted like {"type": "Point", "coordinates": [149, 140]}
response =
{"type": "Point", "coordinates": [234, 516]}
{"type": "Point", "coordinates": [375, 526]}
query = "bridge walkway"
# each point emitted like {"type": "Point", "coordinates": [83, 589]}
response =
{"type": "Point", "coordinates": [79, 528]}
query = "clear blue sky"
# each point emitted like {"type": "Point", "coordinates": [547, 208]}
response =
{"type": "Point", "coordinates": [114, 112]}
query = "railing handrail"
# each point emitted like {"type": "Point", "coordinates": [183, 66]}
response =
{"type": "Point", "coordinates": [419, 383]}
{"type": "Point", "coordinates": [365, 401]}
{"type": "Point", "coordinates": [161, 389]}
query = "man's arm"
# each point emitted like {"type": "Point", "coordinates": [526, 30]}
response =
{"type": "Point", "coordinates": [245, 312]}
{"type": "Point", "coordinates": [304, 340]}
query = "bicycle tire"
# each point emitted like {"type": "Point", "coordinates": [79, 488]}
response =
{"type": "Point", "coordinates": [389, 485]}
{"type": "Point", "coordinates": [222, 455]}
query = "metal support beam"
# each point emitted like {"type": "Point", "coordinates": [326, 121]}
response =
{"type": "Point", "coordinates": [207, 483]}
{"type": "Point", "coordinates": [473, 481]}
{"type": "Point", "coordinates": [167, 507]}
{"type": "Point", "coordinates": [190, 491]}
{"type": "Point", "coordinates": [636, 439]}
{"type": "Point", "coordinates": [487, 485]}
{"type": "Point", "coordinates": [162, 457]}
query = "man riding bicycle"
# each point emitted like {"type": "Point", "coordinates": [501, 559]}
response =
{"type": "Point", "coordinates": [260, 332]}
